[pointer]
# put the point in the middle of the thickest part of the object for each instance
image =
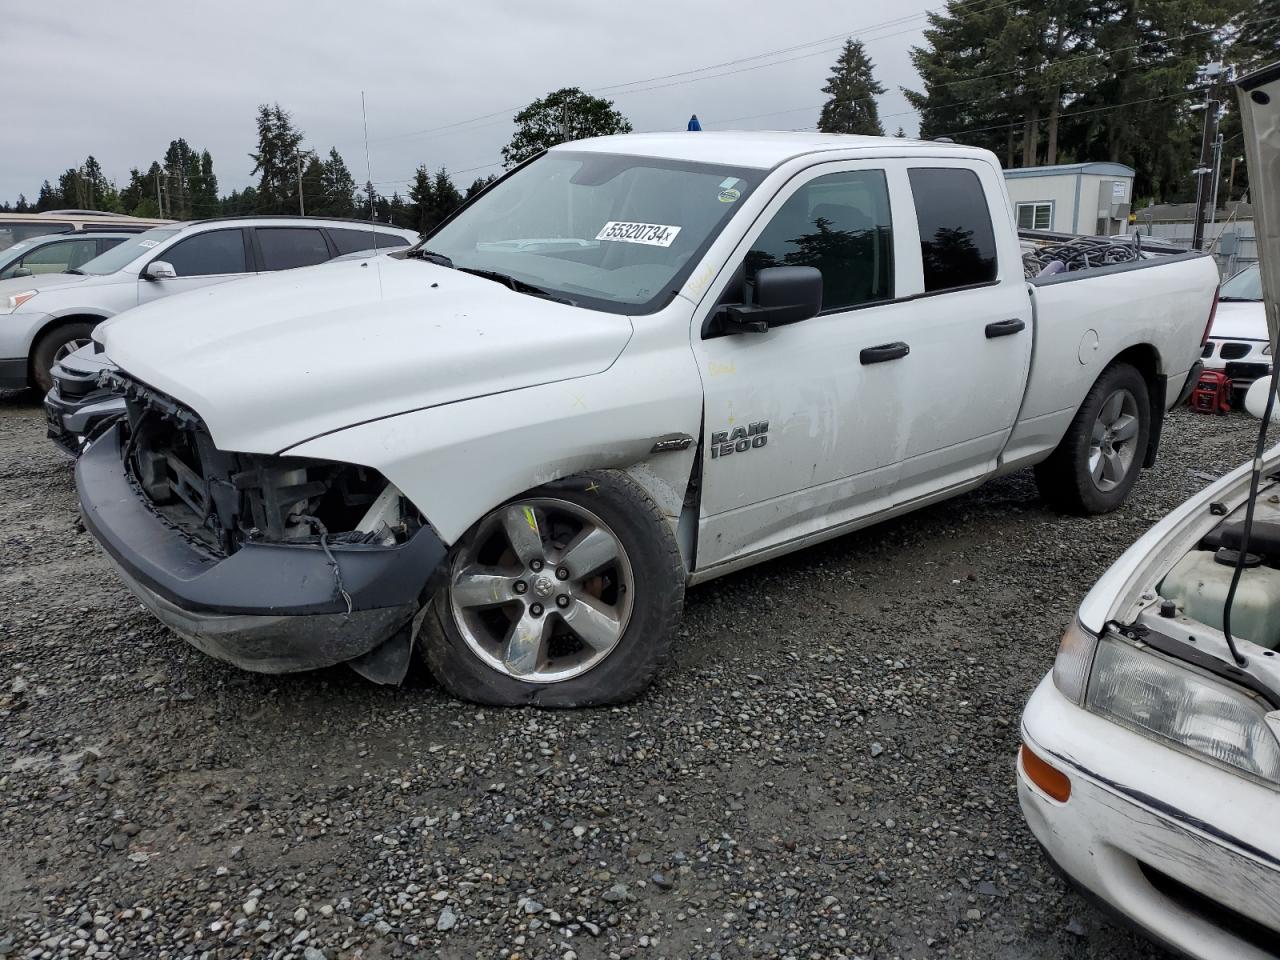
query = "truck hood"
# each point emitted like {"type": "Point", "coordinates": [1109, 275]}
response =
{"type": "Point", "coordinates": [1259, 95]}
{"type": "Point", "coordinates": [271, 361]}
{"type": "Point", "coordinates": [1240, 320]}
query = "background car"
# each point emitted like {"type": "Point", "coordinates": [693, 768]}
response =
{"type": "Point", "coordinates": [55, 253]}
{"type": "Point", "coordinates": [75, 406]}
{"type": "Point", "coordinates": [50, 316]}
{"type": "Point", "coordinates": [16, 227]}
{"type": "Point", "coordinates": [1238, 344]}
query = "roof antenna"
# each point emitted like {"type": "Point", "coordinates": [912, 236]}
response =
{"type": "Point", "coordinates": [368, 167]}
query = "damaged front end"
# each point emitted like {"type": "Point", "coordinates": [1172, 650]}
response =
{"type": "Point", "coordinates": [272, 563]}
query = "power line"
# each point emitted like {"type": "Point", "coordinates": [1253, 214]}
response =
{"type": "Point", "coordinates": [893, 22]}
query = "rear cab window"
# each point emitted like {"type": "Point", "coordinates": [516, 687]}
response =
{"type": "Point", "coordinates": [957, 240]}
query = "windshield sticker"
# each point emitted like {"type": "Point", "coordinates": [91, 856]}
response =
{"type": "Point", "coordinates": [148, 244]}
{"type": "Point", "coordinates": [652, 234]}
{"type": "Point", "coordinates": [729, 195]}
{"type": "Point", "coordinates": [728, 182]}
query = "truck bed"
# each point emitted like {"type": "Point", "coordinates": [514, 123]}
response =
{"type": "Point", "coordinates": [1151, 311]}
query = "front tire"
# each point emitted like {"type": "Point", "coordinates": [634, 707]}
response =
{"type": "Point", "coordinates": [567, 596]}
{"type": "Point", "coordinates": [1098, 460]}
{"type": "Point", "coordinates": [52, 347]}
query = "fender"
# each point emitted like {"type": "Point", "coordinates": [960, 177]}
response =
{"type": "Point", "coordinates": [456, 462]}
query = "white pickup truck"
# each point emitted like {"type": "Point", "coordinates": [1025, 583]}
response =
{"type": "Point", "coordinates": [632, 364]}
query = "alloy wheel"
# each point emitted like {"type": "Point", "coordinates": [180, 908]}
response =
{"type": "Point", "coordinates": [543, 591]}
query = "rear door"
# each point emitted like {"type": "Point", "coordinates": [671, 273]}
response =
{"type": "Point", "coordinates": [971, 319]}
{"type": "Point", "coordinates": [202, 259]}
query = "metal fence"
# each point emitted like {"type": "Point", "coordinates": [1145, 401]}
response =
{"type": "Point", "coordinates": [1233, 242]}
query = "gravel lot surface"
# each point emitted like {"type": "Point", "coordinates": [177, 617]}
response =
{"type": "Point", "coordinates": [826, 771]}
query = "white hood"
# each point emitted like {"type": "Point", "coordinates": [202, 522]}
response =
{"type": "Point", "coordinates": [1240, 320]}
{"type": "Point", "coordinates": [272, 361]}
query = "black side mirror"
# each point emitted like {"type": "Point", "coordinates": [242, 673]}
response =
{"type": "Point", "coordinates": [783, 295]}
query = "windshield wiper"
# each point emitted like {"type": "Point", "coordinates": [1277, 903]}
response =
{"type": "Point", "coordinates": [431, 257]}
{"type": "Point", "coordinates": [77, 271]}
{"type": "Point", "coordinates": [1239, 299]}
{"type": "Point", "coordinates": [519, 286]}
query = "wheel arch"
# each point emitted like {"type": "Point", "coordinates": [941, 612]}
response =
{"type": "Point", "coordinates": [51, 324]}
{"type": "Point", "coordinates": [1146, 359]}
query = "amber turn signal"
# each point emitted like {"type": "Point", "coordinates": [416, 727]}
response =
{"type": "Point", "coordinates": [1050, 780]}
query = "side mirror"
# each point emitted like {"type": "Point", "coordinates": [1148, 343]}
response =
{"type": "Point", "coordinates": [22, 272]}
{"type": "Point", "coordinates": [783, 295]}
{"type": "Point", "coordinates": [160, 270]}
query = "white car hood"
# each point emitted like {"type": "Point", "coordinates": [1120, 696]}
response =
{"type": "Point", "coordinates": [271, 361]}
{"type": "Point", "coordinates": [41, 281]}
{"type": "Point", "coordinates": [1240, 320]}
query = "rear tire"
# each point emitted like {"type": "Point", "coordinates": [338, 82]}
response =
{"type": "Point", "coordinates": [1098, 460]}
{"type": "Point", "coordinates": [52, 346]}
{"type": "Point", "coordinates": [603, 623]}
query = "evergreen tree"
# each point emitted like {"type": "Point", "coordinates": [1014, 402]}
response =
{"type": "Point", "coordinates": [562, 115]}
{"type": "Point", "coordinates": [479, 184]}
{"type": "Point", "coordinates": [852, 89]}
{"type": "Point", "coordinates": [22, 206]}
{"type": "Point", "coordinates": [421, 200]}
{"type": "Point", "coordinates": [1254, 35]}
{"type": "Point", "coordinates": [204, 189]}
{"type": "Point", "coordinates": [49, 198]}
{"type": "Point", "coordinates": [276, 160]}
{"type": "Point", "coordinates": [339, 187]}
{"type": "Point", "coordinates": [445, 196]}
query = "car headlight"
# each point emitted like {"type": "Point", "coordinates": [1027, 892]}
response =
{"type": "Point", "coordinates": [1189, 708]}
{"type": "Point", "coordinates": [1075, 657]}
{"type": "Point", "coordinates": [15, 300]}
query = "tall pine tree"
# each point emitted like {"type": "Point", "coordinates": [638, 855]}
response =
{"type": "Point", "coordinates": [852, 89]}
{"type": "Point", "coordinates": [276, 160]}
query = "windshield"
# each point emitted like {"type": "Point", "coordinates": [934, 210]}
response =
{"type": "Point", "coordinates": [617, 233]}
{"type": "Point", "coordinates": [119, 256]}
{"type": "Point", "coordinates": [1245, 285]}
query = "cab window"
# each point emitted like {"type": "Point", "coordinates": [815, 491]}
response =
{"type": "Point", "coordinates": [840, 224]}
{"type": "Point", "coordinates": [208, 254]}
{"type": "Point", "coordinates": [957, 242]}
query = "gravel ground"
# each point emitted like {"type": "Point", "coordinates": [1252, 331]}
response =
{"type": "Point", "coordinates": [826, 771]}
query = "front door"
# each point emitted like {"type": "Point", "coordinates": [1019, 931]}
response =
{"type": "Point", "coordinates": [802, 426]}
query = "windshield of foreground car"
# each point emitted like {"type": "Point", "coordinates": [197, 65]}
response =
{"type": "Point", "coordinates": [1245, 285]}
{"type": "Point", "coordinates": [121, 255]}
{"type": "Point", "coordinates": [613, 232]}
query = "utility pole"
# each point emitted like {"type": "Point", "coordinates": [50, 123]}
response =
{"type": "Point", "coordinates": [302, 209]}
{"type": "Point", "coordinates": [1212, 74]}
{"type": "Point", "coordinates": [159, 199]}
{"type": "Point", "coordinates": [1217, 176]}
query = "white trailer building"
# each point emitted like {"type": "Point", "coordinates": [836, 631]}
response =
{"type": "Point", "coordinates": [1073, 197]}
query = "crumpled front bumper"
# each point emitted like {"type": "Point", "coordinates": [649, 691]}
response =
{"type": "Point", "coordinates": [268, 607]}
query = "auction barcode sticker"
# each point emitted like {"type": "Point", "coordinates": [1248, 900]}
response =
{"type": "Point", "coordinates": [653, 234]}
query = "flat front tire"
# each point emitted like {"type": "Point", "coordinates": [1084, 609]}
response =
{"type": "Point", "coordinates": [1098, 460]}
{"type": "Point", "coordinates": [566, 596]}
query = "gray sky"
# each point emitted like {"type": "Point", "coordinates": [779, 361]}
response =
{"type": "Point", "coordinates": [121, 80]}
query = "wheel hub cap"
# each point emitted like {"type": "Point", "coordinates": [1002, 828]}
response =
{"type": "Point", "coordinates": [1113, 446]}
{"type": "Point", "coordinates": [542, 591]}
